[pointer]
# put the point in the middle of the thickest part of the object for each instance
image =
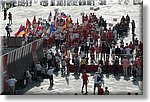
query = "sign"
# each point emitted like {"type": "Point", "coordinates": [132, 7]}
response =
{"type": "Point", "coordinates": [82, 14]}
{"type": "Point", "coordinates": [56, 10]}
{"type": "Point", "coordinates": [96, 9]}
{"type": "Point", "coordinates": [91, 8]}
{"type": "Point", "coordinates": [110, 24]}
{"type": "Point", "coordinates": [114, 19]}
{"type": "Point", "coordinates": [40, 19]}
{"type": "Point", "coordinates": [44, 20]}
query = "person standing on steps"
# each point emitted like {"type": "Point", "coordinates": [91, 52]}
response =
{"type": "Point", "coordinates": [5, 13]}
{"type": "Point", "coordinates": [10, 18]}
{"type": "Point", "coordinates": [7, 28]}
{"type": "Point", "coordinates": [133, 30]}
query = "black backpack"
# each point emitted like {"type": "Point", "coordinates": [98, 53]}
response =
{"type": "Point", "coordinates": [98, 78]}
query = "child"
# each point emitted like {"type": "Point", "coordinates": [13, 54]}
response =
{"type": "Point", "coordinates": [100, 91]}
{"type": "Point", "coordinates": [106, 92]}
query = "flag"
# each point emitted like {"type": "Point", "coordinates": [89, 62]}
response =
{"type": "Point", "coordinates": [50, 16]}
{"type": "Point", "coordinates": [68, 20]}
{"type": "Point", "coordinates": [21, 31]}
{"type": "Point", "coordinates": [34, 20]}
{"type": "Point", "coordinates": [38, 28]}
{"type": "Point", "coordinates": [18, 30]}
{"type": "Point", "coordinates": [28, 25]}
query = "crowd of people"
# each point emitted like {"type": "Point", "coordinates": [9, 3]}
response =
{"type": "Point", "coordinates": [91, 42]}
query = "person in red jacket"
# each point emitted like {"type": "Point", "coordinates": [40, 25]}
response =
{"type": "Point", "coordinates": [131, 47]}
{"type": "Point", "coordinates": [100, 91]}
{"type": "Point", "coordinates": [141, 46]}
{"type": "Point", "coordinates": [85, 81]}
{"type": "Point", "coordinates": [92, 50]}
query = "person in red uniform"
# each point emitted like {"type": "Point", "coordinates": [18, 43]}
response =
{"type": "Point", "coordinates": [100, 91]}
{"type": "Point", "coordinates": [92, 50]}
{"type": "Point", "coordinates": [141, 46]}
{"type": "Point", "coordinates": [85, 81]}
{"type": "Point", "coordinates": [131, 47]}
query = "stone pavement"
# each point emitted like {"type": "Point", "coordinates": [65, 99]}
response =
{"type": "Point", "coordinates": [71, 84]}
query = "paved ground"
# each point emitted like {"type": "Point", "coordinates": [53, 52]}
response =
{"type": "Point", "coordinates": [70, 84]}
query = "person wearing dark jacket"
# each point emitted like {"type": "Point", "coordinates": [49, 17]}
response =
{"type": "Point", "coordinates": [117, 51]}
{"type": "Point", "coordinates": [7, 30]}
{"type": "Point", "coordinates": [116, 66]}
{"type": "Point", "coordinates": [133, 26]}
{"type": "Point", "coordinates": [107, 50]}
{"type": "Point", "coordinates": [5, 14]}
{"type": "Point", "coordinates": [128, 19]}
{"type": "Point", "coordinates": [103, 51]}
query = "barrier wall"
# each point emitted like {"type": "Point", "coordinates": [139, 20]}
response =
{"type": "Point", "coordinates": [17, 61]}
{"type": "Point", "coordinates": [94, 68]}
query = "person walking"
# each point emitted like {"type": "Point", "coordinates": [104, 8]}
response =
{"type": "Point", "coordinates": [85, 82]}
{"type": "Point", "coordinates": [50, 75]}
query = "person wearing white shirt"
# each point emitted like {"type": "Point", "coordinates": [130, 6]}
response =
{"type": "Point", "coordinates": [96, 82]}
{"type": "Point", "coordinates": [38, 69]}
{"type": "Point", "coordinates": [11, 83]}
{"type": "Point", "coordinates": [50, 75]}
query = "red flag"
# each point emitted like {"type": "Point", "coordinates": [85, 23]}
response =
{"type": "Point", "coordinates": [28, 25]}
{"type": "Point", "coordinates": [34, 20]}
